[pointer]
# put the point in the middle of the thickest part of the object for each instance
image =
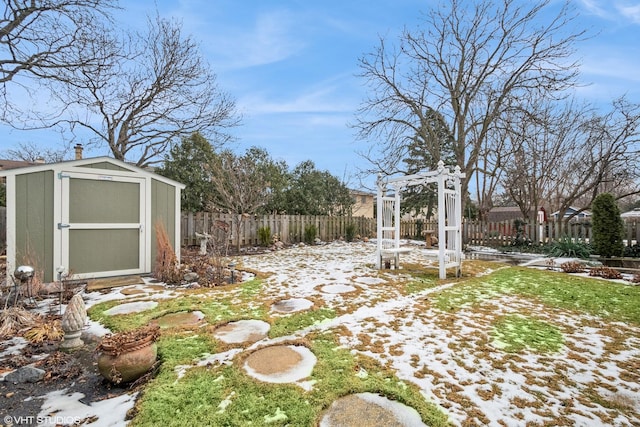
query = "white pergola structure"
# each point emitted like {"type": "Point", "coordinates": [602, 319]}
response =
{"type": "Point", "coordinates": [449, 216]}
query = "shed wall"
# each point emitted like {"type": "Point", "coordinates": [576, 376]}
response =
{"type": "Point", "coordinates": [34, 221]}
{"type": "Point", "coordinates": [163, 208]}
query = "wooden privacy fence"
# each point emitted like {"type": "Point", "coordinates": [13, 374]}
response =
{"type": "Point", "coordinates": [495, 234]}
{"type": "Point", "coordinates": [289, 228]}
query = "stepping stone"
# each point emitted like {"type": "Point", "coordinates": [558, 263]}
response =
{"type": "Point", "coordinates": [131, 307]}
{"type": "Point", "coordinates": [370, 280]}
{"type": "Point", "coordinates": [369, 409]}
{"type": "Point", "coordinates": [280, 363]}
{"type": "Point", "coordinates": [338, 289]}
{"type": "Point", "coordinates": [132, 291]}
{"type": "Point", "coordinates": [291, 305]}
{"type": "Point", "coordinates": [174, 320]}
{"type": "Point", "coordinates": [156, 288]}
{"type": "Point", "coordinates": [242, 331]}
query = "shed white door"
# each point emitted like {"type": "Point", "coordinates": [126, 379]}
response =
{"type": "Point", "coordinates": [102, 228]}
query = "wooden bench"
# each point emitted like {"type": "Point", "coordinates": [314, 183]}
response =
{"type": "Point", "coordinates": [392, 253]}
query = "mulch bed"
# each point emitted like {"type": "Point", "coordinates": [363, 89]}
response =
{"type": "Point", "coordinates": [75, 371]}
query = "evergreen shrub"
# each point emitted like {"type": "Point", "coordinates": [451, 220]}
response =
{"type": "Point", "coordinates": [264, 236]}
{"type": "Point", "coordinates": [310, 232]}
{"type": "Point", "coordinates": [350, 232]}
{"type": "Point", "coordinates": [608, 229]}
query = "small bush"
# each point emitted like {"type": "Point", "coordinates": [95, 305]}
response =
{"type": "Point", "coordinates": [310, 232]}
{"type": "Point", "coordinates": [520, 239]}
{"type": "Point", "coordinates": [632, 251]}
{"type": "Point", "coordinates": [264, 236]}
{"type": "Point", "coordinates": [350, 232]}
{"type": "Point", "coordinates": [566, 247]}
{"type": "Point", "coordinates": [605, 273]}
{"type": "Point", "coordinates": [572, 267]}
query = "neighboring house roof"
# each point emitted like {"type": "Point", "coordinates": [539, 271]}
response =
{"type": "Point", "coordinates": [570, 211]}
{"type": "Point", "coordinates": [504, 213]}
{"type": "Point", "coordinates": [633, 214]}
{"type": "Point", "coordinates": [6, 164]}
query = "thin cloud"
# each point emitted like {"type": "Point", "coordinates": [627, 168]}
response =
{"type": "Point", "coordinates": [593, 7]}
{"type": "Point", "coordinates": [328, 96]}
{"type": "Point", "coordinates": [630, 12]}
{"type": "Point", "coordinates": [613, 11]}
{"type": "Point", "coordinates": [270, 38]}
{"type": "Point", "coordinates": [610, 64]}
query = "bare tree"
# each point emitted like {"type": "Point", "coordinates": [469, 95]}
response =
{"type": "Point", "coordinates": [240, 184]}
{"type": "Point", "coordinates": [604, 158]}
{"type": "Point", "coordinates": [30, 152]}
{"type": "Point", "coordinates": [152, 89]}
{"type": "Point", "coordinates": [540, 139]}
{"type": "Point", "coordinates": [42, 38]}
{"type": "Point", "coordinates": [489, 168]}
{"type": "Point", "coordinates": [470, 61]}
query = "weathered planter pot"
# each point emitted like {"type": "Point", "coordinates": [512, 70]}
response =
{"type": "Point", "coordinates": [123, 358]}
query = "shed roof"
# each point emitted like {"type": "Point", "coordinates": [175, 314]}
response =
{"type": "Point", "coordinates": [20, 170]}
{"type": "Point", "coordinates": [361, 193]}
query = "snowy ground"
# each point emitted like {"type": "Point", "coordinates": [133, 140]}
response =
{"type": "Point", "coordinates": [450, 356]}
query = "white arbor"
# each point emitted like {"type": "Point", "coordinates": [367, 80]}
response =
{"type": "Point", "coordinates": [449, 216]}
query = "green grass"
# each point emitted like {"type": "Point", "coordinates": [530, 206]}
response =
{"type": "Point", "coordinates": [196, 399]}
{"type": "Point", "coordinates": [250, 289]}
{"type": "Point", "coordinates": [423, 277]}
{"type": "Point", "coordinates": [607, 299]}
{"type": "Point", "coordinates": [419, 284]}
{"type": "Point", "coordinates": [516, 333]}
{"type": "Point", "coordinates": [216, 305]}
{"type": "Point", "coordinates": [287, 325]}
{"type": "Point", "coordinates": [179, 348]}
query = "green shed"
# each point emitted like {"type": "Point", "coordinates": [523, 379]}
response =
{"type": "Point", "coordinates": [89, 218]}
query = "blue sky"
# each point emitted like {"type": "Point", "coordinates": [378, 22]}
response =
{"type": "Point", "coordinates": [291, 65]}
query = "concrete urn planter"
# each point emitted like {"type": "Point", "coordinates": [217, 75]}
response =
{"type": "Point", "coordinates": [127, 356]}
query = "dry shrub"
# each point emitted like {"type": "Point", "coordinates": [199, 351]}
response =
{"type": "Point", "coordinates": [45, 331]}
{"type": "Point", "coordinates": [572, 267]}
{"type": "Point", "coordinates": [210, 269]}
{"type": "Point", "coordinates": [166, 268]}
{"type": "Point", "coordinates": [14, 319]}
{"type": "Point", "coordinates": [605, 273]}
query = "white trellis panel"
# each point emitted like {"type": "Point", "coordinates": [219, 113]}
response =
{"type": "Point", "coordinates": [449, 216]}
